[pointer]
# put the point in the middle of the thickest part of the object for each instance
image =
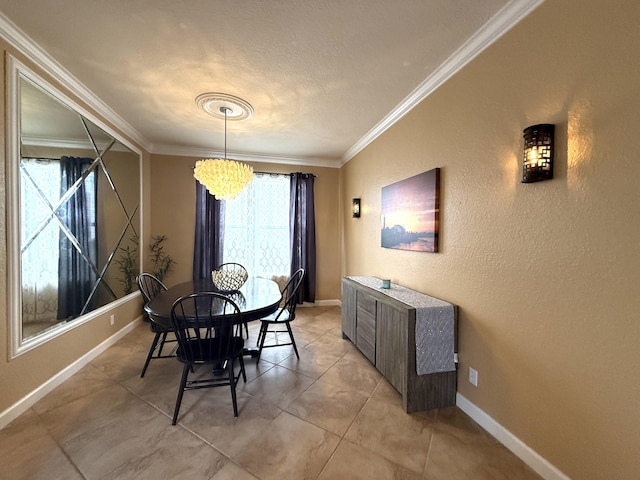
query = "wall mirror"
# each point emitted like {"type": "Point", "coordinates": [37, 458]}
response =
{"type": "Point", "coordinates": [74, 191]}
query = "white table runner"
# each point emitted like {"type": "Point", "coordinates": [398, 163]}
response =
{"type": "Point", "coordinates": [435, 324]}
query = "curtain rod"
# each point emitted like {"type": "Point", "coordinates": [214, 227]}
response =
{"type": "Point", "coordinates": [283, 174]}
{"type": "Point", "coordinates": [276, 174]}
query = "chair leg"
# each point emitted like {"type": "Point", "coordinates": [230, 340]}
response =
{"type": "Point", "coordinates": [244, 374]}
{"type": "Point", "coordinates": [164, 339]}
{"type": "Point", "coordinates": [246, 329]}
{"type": "Point", "coordinates": [232, 385]}
{"type": "Point", "coordinates": [261, 337]}
{"type": "Point", "coordinates": [260, 334]}
{"type": "Point", "coordinates": [150, 354]}
{"type": "Point", "coordinates": [183, 382]}
{"type": "Point", "coordinates": [293, 340]}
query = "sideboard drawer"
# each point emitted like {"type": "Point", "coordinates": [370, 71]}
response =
{"type": "Point", "coordinates": [366, 325]}
{"type": "Point", "coordinates": [366, 303]}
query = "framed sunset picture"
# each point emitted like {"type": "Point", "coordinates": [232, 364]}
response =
{"type": "Point", "coordinates": [410, 213]}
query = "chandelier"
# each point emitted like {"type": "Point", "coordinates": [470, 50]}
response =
{"type": "Point", "coordinates": [223, 178]}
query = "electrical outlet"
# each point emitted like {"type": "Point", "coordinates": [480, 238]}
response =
{"type": "Point", "coordinates": [112, 320]}
{"type": "Point", "coordinates": [473, 377]}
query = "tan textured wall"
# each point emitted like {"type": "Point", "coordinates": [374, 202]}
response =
{"type": "Point", "coordinates": [24, 374]}
{"type": "Point", "coordinates": [173, 214]}
{"type": "Point", "coordinates": [546, 275]}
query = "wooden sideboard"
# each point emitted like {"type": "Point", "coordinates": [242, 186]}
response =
{"type": "Point", "coordinates": [383, 329]}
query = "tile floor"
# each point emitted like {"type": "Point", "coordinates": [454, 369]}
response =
{"type": "Point", "coordinates": [327, 416]}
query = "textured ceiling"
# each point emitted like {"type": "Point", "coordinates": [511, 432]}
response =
{"type": "Point", "coordinates": [322, 76]}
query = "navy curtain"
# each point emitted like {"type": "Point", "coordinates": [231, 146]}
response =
{"type": "Point", "coordinates": [77, 275]}
{"type": "Point", "coordinates": [209, 235]}
{"type": "Point", "coordinates": [302, 229]}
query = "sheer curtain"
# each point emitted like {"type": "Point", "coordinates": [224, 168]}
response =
{"type": "Point", "coordinates": [303, 233]}
{"type": "Point", "coordinates": [256, 230]}
{"type": "Point", "coordinates": [39, 188]}
{"type": "Point", "coordinates": [78, 246]}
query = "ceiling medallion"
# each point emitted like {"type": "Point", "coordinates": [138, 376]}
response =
{"type": "Point", "coordinates": [215, 104]}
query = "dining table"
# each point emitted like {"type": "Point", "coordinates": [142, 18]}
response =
{"type": "Point", "coordinates": [257, 298]}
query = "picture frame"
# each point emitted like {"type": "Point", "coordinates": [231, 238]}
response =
{"type": "Point", "coordinates": [410, 212]}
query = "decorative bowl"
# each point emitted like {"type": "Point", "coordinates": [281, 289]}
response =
{"type": "Point", "coordinates": [228, 280]}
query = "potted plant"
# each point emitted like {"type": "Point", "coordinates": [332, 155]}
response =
{"type": "Point", "coordinates": [162, 262]}
{"type": "Point", "coordinates": [128, 265]}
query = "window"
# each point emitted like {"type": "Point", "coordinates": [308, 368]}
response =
{"type": "Point", "coordinates": [58, 243]}
{"type": "Point", "coordinates": [40, 188]}
{"type": "Point", "coordinates": [256, 230]}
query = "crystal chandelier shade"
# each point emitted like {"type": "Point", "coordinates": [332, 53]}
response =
{"type": "Point", "coordinates": [223, 178]}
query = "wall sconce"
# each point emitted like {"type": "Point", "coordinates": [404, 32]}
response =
{"type": "Point", "coordinates": [355, 208]}
{"type": "Point", "coordinates": [537, 163]}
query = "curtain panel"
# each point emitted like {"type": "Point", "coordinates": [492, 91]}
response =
{"type": "Point", "coordinates": [209, 233]}
{"type": "Point", "coordinates": [77, 268]}
{"type": "Point", "coordinates": [303, 233]}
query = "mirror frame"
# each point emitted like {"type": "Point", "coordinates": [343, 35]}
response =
{"type": "Point", "coordinates": [16, 70]}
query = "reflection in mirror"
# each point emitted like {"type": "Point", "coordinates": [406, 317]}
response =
{"type": "Point", "coordinates": [79, 192]}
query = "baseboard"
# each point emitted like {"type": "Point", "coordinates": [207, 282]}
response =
{"type": "Point", "coordinates": [22, 405]}
{"type": "Point", "coordinates": [322, 303]}
{"type": "Point", "coordinates": [538, 463]}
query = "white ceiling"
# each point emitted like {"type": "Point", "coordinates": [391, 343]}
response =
{"type": "Point", "coordinates": [324, 77]}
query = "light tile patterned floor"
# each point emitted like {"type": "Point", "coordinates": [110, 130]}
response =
{"type": "Point", "coordinates": [328, 416]}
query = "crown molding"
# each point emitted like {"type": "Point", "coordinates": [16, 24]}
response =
{"type": "Point", "coordinates": [245, 157]}
{"type": "Point", "coordinates": [68, 143]}
{"type": "Point", "coordinates": [27, 47]}
{"type": "Point", "coordinates": [498, 25]}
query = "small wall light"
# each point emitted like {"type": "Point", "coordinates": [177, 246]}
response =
{"type": "Point", "coordinates": [355, 208]}
{"type": "Point", "coordinates": [537, 163]}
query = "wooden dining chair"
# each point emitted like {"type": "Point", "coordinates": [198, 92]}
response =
{"type": "Point", "coordinates": [206, 326]}
{"type": "Point", "coordinates": [282, 317]}
{"type": "Point", "coordinates": [149, 287]}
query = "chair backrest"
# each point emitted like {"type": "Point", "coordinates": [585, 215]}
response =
{"type": "Point", "coordinates": [206, 327]}
{"type": "Point", "coordinates": [149, 286]}
{"type": "Point", "coordinates": [290, 292]}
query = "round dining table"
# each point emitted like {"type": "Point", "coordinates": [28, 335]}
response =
{"type": "Point", "coordinates": [257, 298]}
